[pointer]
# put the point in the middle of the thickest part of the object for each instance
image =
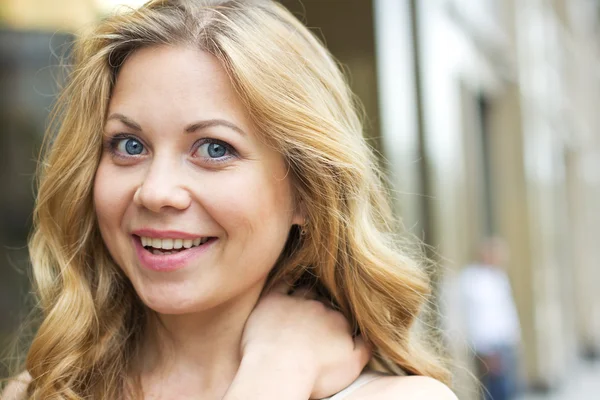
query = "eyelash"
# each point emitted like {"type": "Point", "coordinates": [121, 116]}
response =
{"type": "Point", "coordinates": [230, 150]}
{"type": "Point", "coordinates": [113, 142]}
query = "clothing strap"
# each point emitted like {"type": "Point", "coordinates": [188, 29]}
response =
{"type": "Point", "coordinates": [362, 380]}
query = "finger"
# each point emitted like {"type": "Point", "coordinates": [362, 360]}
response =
{"type": "Point", "coordinates": [363, 350]}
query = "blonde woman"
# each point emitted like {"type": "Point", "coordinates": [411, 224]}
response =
{"type": "Point", "coordinates": [205, 153]}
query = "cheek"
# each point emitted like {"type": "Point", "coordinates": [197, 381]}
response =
{"type": "Point", "coordinates": [112, 197]}
{"type": "Point", "coordinates": [257, 199]}
{"type": "Point", "coordinates": [103, 202]}
{"type": "Point", "coordinates": [254, 208]}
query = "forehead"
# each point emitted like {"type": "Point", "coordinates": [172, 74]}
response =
{"type": "Point", "coordinates": [178, 83]}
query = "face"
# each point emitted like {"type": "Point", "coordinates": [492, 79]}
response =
{"type": "Point", "coordinates": [192, 206]}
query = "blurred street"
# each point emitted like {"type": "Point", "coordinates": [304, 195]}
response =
{"type": "Point", "coordinates": [584, 385]}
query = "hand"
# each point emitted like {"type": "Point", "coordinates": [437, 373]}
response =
{"type": "Point", "coordinates": [306, 338]}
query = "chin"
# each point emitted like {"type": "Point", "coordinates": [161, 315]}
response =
{"type": "Point", "coordinates": [174, 300]}
{"type": "Point", "coordinates": [192, 293]}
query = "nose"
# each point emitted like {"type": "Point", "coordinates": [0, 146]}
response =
{"type": "Point", "coordinates": [162, 188]}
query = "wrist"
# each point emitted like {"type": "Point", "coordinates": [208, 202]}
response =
{"type": "Point", "coordinates": [270, 375]}
{"type": "Point", "coordinates": [284, 362]}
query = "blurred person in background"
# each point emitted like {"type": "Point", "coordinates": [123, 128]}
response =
{"type": "Point", "coordinates": [492, 321]}
{"type": "Point", "coordinates": [206, 153]}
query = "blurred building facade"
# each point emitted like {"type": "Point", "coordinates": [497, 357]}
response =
{"type": "Point", "coordinates": [503, 115]}
{"type": "Point", "coordinates": [484, 111]}
{"type": "Point", "coordinates": [47, 15]}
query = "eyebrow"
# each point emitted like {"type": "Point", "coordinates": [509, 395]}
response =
{"type": "Point", "coordinates": [200, 125]}
{"type": "Point", "coordinates": [213, 122]}
{"type": "Point", "coordinates": [126, 121]}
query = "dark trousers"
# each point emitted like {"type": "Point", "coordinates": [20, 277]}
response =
{"type": "Point", "coordinates": [498, 373]}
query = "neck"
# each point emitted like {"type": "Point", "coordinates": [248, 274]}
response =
{"type": "Point", "coordinates": [196, 353]}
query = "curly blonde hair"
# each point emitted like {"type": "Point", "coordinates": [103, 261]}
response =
{"type": "Point", "coordinates": [302, 105]}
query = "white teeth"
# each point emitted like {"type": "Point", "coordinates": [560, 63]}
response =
{"type": "Point", "coordinates": [169, 244]}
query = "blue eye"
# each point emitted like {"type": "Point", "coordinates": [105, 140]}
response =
{"type": "Point", "coordinates": [130, 146]}
{"type": "Point", "coordinates": [213, 150]}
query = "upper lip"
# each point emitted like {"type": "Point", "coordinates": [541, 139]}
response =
{"type": "Point", "coordinates": [165, 234]}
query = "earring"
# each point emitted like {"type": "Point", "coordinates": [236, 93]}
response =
{"type": "Point", "coordinates": [303, 227]}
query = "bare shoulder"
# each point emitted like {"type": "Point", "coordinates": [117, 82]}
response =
{"type": "Point", "coordinates": [405, 388]}
{"type": "Point", "coordinates": [16, 388]}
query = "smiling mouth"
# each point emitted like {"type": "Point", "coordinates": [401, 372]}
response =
{"type": "Point", "coordinates": [165, 247]}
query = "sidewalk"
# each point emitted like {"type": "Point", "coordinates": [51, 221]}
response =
{"type": "Point", "coordinates": [585, 385]}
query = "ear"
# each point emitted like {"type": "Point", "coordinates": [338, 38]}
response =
{"type": "Point", "coordinates": [299, 216]}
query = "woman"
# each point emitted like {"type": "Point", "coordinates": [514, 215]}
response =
{"type": "Point", "coordinates": [207, 152]}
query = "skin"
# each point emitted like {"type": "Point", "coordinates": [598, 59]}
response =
{"type": "Point", "coordinates": [295, 348]}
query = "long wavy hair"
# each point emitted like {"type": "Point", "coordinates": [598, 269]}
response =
{"type": "Point", "coordinates": [301, 104]}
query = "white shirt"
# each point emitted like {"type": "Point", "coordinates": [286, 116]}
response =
{"type": "Point", "coordinates": [491, 314]}
{"type": "Point", "coordinates": [362, 380]}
